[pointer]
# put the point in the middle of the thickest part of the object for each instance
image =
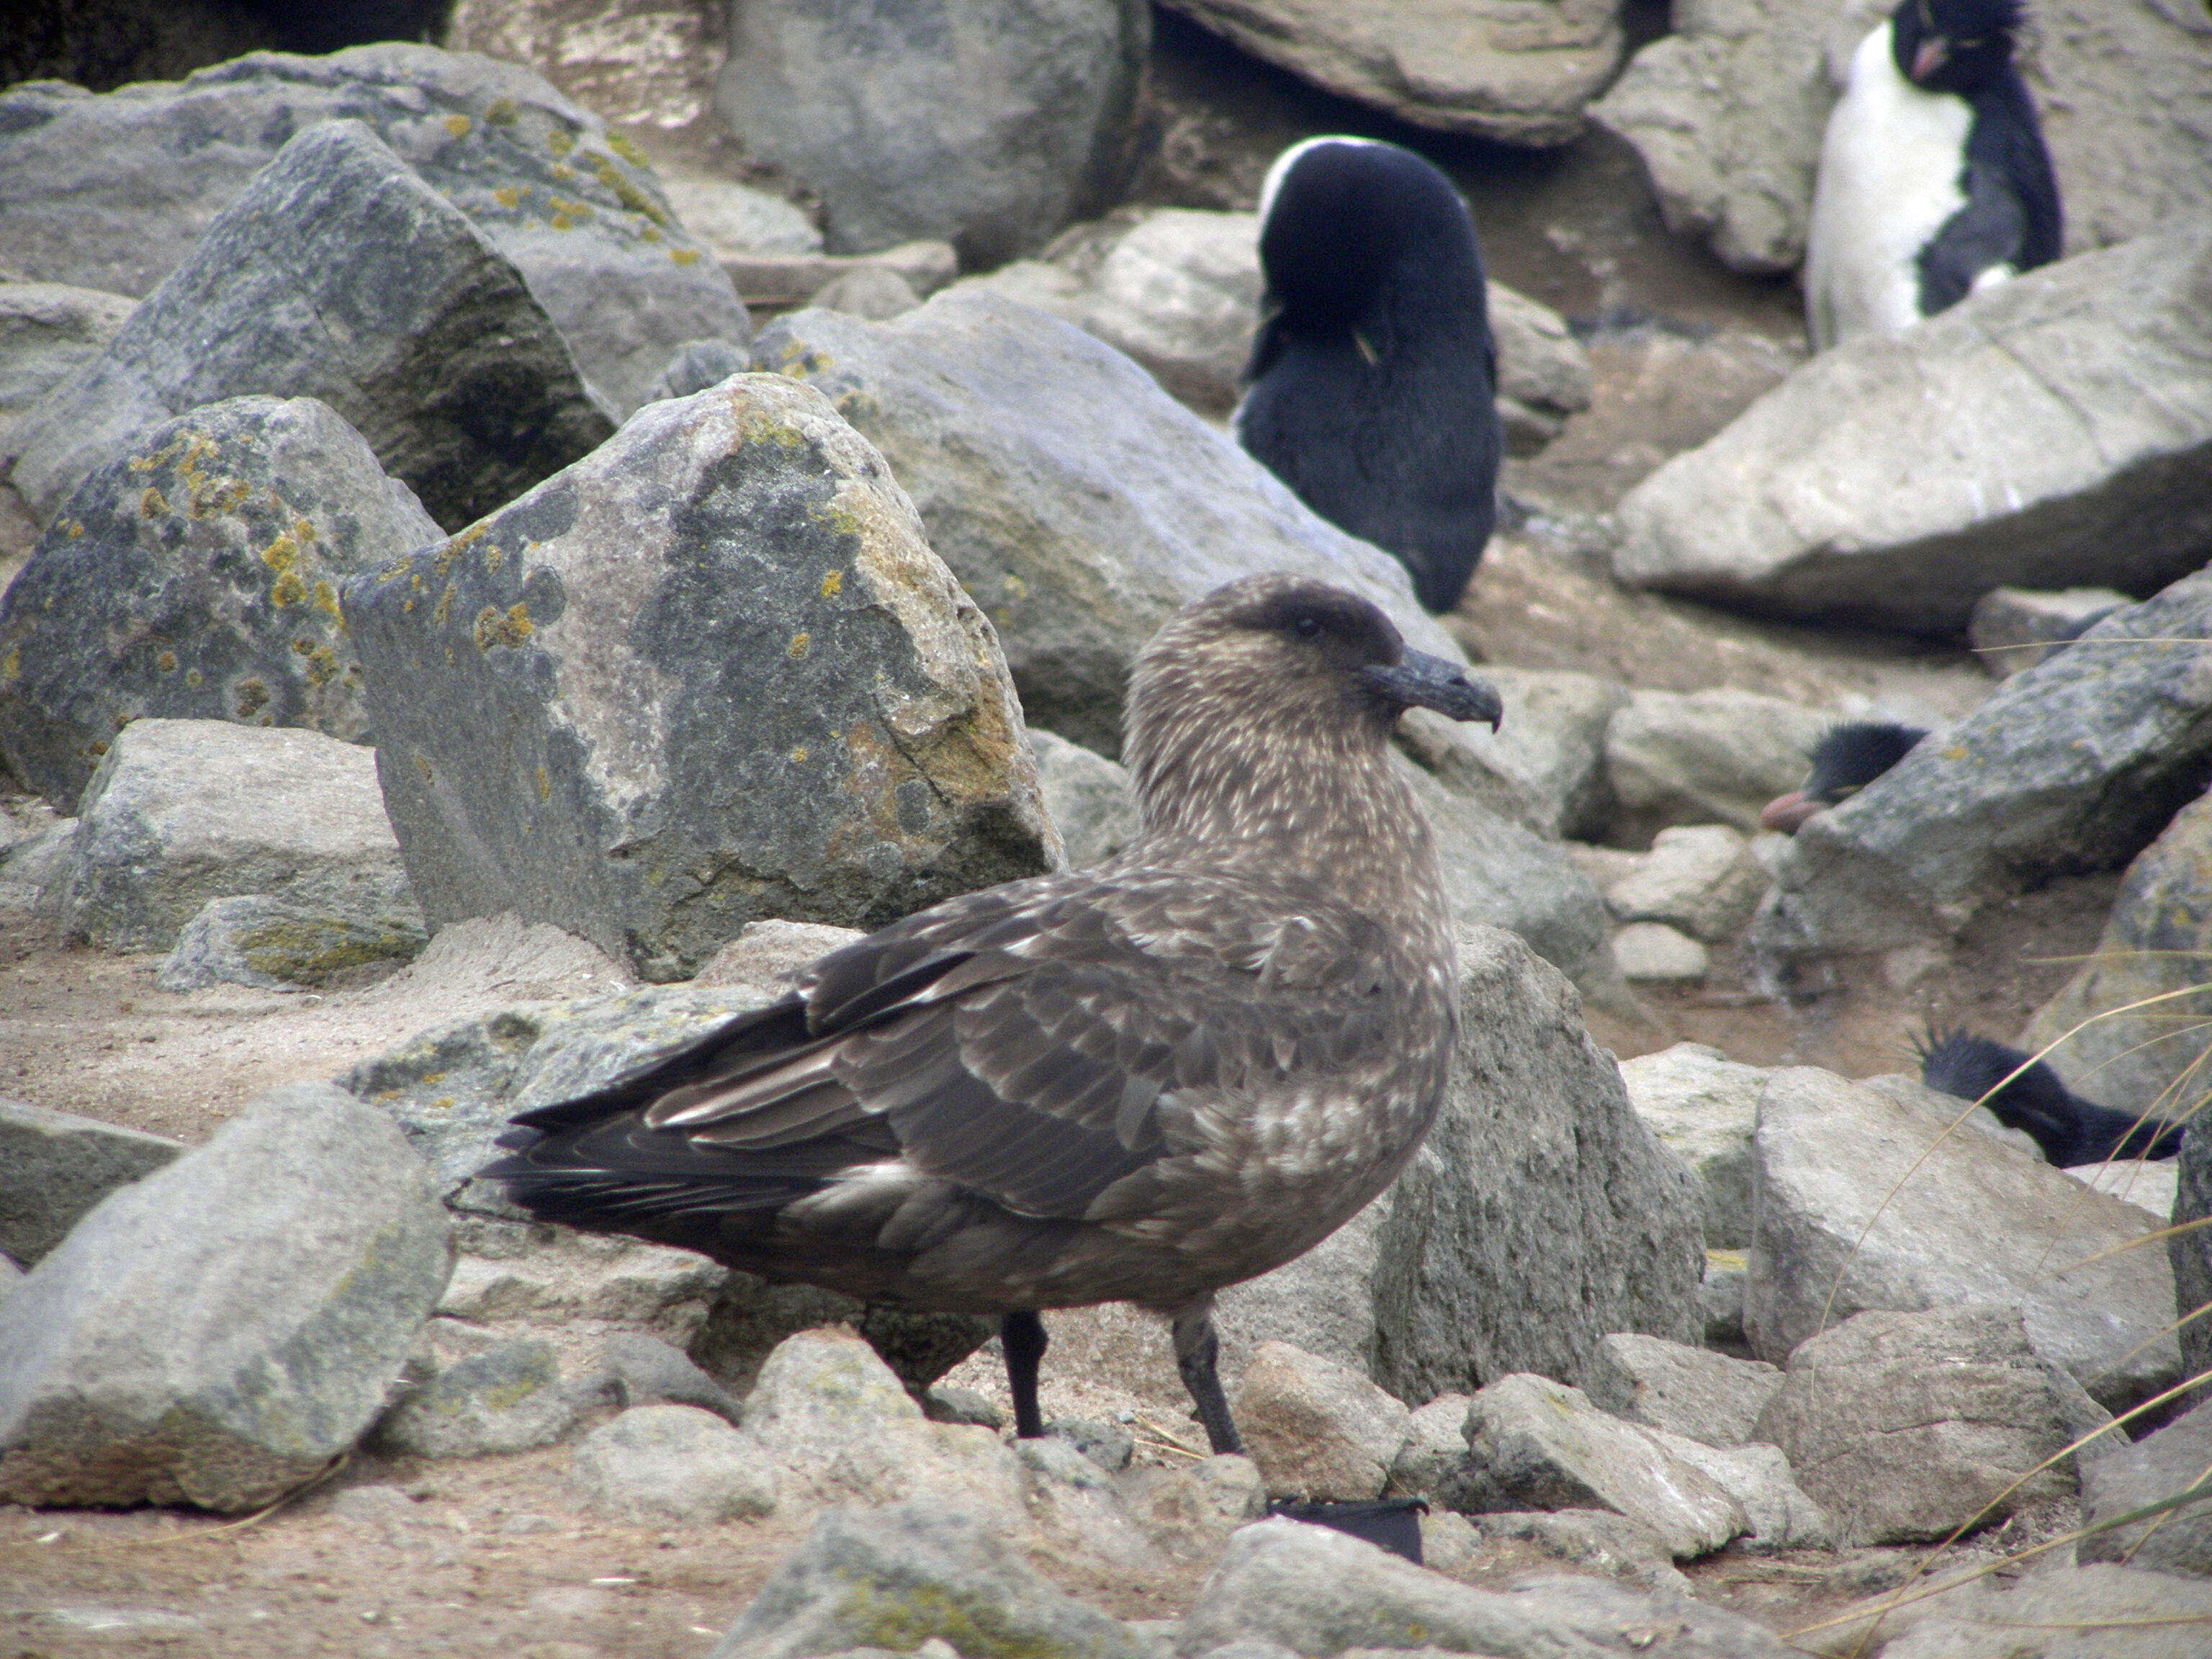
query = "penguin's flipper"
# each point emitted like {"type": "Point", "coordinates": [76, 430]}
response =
{"type": "Point", "coordinates": [1989, 232]}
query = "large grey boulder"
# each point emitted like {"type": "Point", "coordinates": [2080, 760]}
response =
{"type": "Point", "coordinates": [1711, 756]}
{"type": "Point", "coordinates": [1318, 1592]}
{"type": "Point", "coordinates": [217, 1332]}
{"type": "Point", "coordinates": [910, 1572]}
{"type": "Point", "coordinates": [1906, 1427]}
{"type": "Point", "coordinates": [2017, 628]}
{"type": "Point", "coordinates": [48, 331]}
{"type": "Point", "coordinates": [1863, 1202]}
{"type": "Point", "coordinates": [2156, 944]}
{"type": "Point", "coordinates": [507, 1398]}
{"type": "Point", "coordinates": [2092, 1612]}
{"type": "Point", "coordinates": [1538, 1216]}
{"type": "Point", "coordinates": [55, 1166]}
{"type": "Point", "coordinates": [2076, 765]}
{"type": "Point", "coordinates": [1079, 503]}
{"type": "Point", "coordinates": [989, 123]}
{"type": "Point", "coordinates": [726, 678]}
{"type": "Point", "coordinates": [1728, 110]}
{"type": "Point", "coordinates": [183, 811]}
{"type": "Point", "coordinates": [114, 192]}
{"type": "Point", "coordinates": [1536, 1444]}
{"type": "Point", "coordinates": [670, 1464]}
{"type": "Point", "coordinates": [1687, 1391]}
{"type": "Point", "coordinates": [338, 273]}
{"type": "Point", "coordinates": [2175, 1460]}
{"type": "Point", "coordinates": [2045, 433]}
{"type": "Point", "coordinates": [1705, 1107]}
{"type": "Point", "coordinates": [253, 939]}
{"type": "Point", "coordinates": [195, 577]}
{"type": "Point", "coordinates": [1497, 69]}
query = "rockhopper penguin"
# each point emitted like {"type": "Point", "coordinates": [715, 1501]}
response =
{"type": "Point", "coordinates": [1373, 379]}
{"type": "Point", "coordinates": [1934, 180]}
{"type": "Point", "coordinates": [1139, 1082]}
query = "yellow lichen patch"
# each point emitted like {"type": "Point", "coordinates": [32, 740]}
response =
{"type": "Point", "coordinates": [288, 589]}
{"type": "Point", "coordinates": [415, 580]}
{"type": "Point", "coordinates": [303, 531]}
{"type": "Point", "coordinates": [148, 463]}
{"type": "Point", "coordinates": [326, 600]}
{"type": "Point", "coordinates": [757, 426]}
{"type": "Point", "coordinates": [560, 142]}
{"type": "Point", "coordinates": [798, 755]}
{"type": "Point", "coordinates": [193, 677]}
{"type": "Point", "coordinates": [800, 646]}
{"type": "Point", "coordinates": [562, 170]}
{"type": "Point", "coordinates": [562, 221]}
{"type": "Point", "coordinates": [322, 665]}
{"type": "Point", "coordinates": [74, 529]}
{"type": "Point", "coordinates": [97, 748]}
{"type": "Point", "coordinates": [833, 584]}
{"type": "Point", "coordinates": [459, 125]}
{"type": "Point", "coordinates": [620, 143]}
{"type": "Point", "coordinates": [500, 111]}
{"type": "Point", "coordinates": [685, 256]}
{"type": "Point", "coordinates": [649, 234]}
{"type": "Point", "coordinates": [167, 662]}
{"type": "Point", "coordinates": [507, 197]}
{"type": "Point", "coordinates": [150, 504]}
{"type": "Point", "coordinates": [544, 787]}
{"type": "Point", "coordinates": [495, 558]}
{"type": "Point", "coordinates": [444, 612]}
{"type": "Point", "coordinates": [282, 554]}
{"type": "Point", "coordinates": [428, 776]}
{"type": "Point", "coordinates": [11, 666]}
{"type": "Point", "coordinates": [509, 629]}
{"type": "Point", "coordinates": [253, 698]}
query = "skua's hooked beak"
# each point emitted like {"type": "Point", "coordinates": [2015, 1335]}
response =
{"type": "Point", "coordinates": [1427, 682]}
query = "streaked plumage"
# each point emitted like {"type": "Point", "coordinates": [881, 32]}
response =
{"type": "Point", "coordinates": [1139, 1082]}
{"type": "Point", "coordinates": [1373, 376]}
{"type": "Point", "coordinates": [1934, 180]}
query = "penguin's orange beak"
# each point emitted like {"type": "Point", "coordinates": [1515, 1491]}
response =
{"type": "Point", "coordinates": [1931, 55]}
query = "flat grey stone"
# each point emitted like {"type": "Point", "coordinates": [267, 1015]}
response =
{"type": "Point", "coordinates": [2076, 764]}
{"type": "Point", "coordinates": [2190, 1254]}
{"type": "Point", "coordinates": [1705, 1107]}
{"type": "Point", "coordinates": [218, 1332]}
{"type": "Point", "coordinates": [1092, 800]}
{"type": "Point", "coordinates": [115, 191]}
{"type": "Point", "coordinates": [1650, 953]}
{"type": "Point", "coordinates": [833, 737]}
{"type": "Point", "coordinates": [2165, 1463]}
{"type": "Point", "coordinates": [1189, 1509]}
{"type": "Point", "coordinates": [1699, 879]}
{"type": "Point", "coordinates": [2071, 414]}
{"type": "Point", "coordinates": [670, 1464]}
{"type": "Point", "coordinates": [695, 366]}
{"type": "Point", "coordinates": [1317, 1428]}
{"type": "Point", "coordinates": [1851, 1217]}
{"type": "Point", "coordinates": [1076, 502]}
{"type": "Point", "coordinates": [2091, 1612]}
{"type": "Point", "coordinates": [2017, 628]}
{"type": "Point", "coordinates": [1434, 1451]}
{"type": "Point", "coordinates": [1539, 1215]}
{"type": "Point", "coordinates": [183, 811]}
{"type": "Point", "coordinates": [1905, 1426]}
{"type": "Point", "coordinates": [1597, 1538]}
{"type": "Point", "coordinates": [1536, 1444]}
{"type": "Point", "coordinates": [55, 1166]}
{"type": "Point", "coordinates": [872, 291]}
{"type": "Point", "coordinates": [1687, 1391]}
{"type": "Point", "coordinates": [764, 952]}
{"type": "Point", "coordinates": [1109, 1445]}
{"type": "Point", "coordinates": [1545, 767]}
{"type": "Point", "coordinates": [339, 274]}
{"type": "Point", "coordinates": [729, 218]}
{"type": "Point", "coordinates": [915, 1572]}
{"type": "Point", "coordinates": [647, 1371]}
{"type": "Point", "coordinates": [47, 331]}
{"type": "Point", "coordinates": [990, 125]}
{"type": "Point", "coordinates": [1715, 756]}
{"type": "Point", "coordinates": [253, 939]}
{"type": "Point", "coordinates": [195, 577]}
{"type": "Point", "coordinates": [1778, 1514]}
{"type": "Point", "coordinates": [508, 1398]}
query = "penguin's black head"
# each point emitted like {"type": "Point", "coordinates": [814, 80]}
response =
{"type": "Point", "coordinates": [1341, 217]}
{"type": "Point", "coordinates": [1953, 46]}
{"type": "Point", "coordinates": [1847, 758]}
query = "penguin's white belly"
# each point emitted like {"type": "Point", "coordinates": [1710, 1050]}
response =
{"type": "Point", "coordinates": [1892, 165]}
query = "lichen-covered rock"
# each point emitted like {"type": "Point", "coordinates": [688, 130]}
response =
{"type": "Point", "coordinates": [253, 939]}
{"type": "Point", "coordinates": [55, 1166]}
{"type": "Point", "coordinates": [338, 273]}
{"type": "Point", "coordinates": [710, 673]}
{"type": "Point", "coordinates": [2076, 765]}
{"type": "Point", "coordinates": [1539, 1215]}
{"type": "Point", "coordinates": [114, 192]}
{"type": "Point", "coordinates": [218, 1332]}
{"type": "Point", "coordinates": [1076, 502]}
{"type": "Point", "coordinates": [1705, 1107]}
{"type": "Point", "coordinates": [507, 1399]}
{"type": "Point", "coordinates": [183, 811]}
{"type": "Point", "coordinates": [987, 123]}
{"type": "Point", "coordinates": [1498, 68]}
{"type": "Point", "coordinates": [671, 1466]}
{"type": "Point", "coordinates": [195, 578]}
{"type": "Point", "coordinates": [2044, 433]}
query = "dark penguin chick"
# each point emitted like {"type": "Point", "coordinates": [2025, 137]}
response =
{"type": "Point", "coordinates": [1847, 758]}
{"type": "Point", "coordinates": [1373, 380]}
{"type": "Point", "coordinates": [1139, 1082]}
{"type": "Point", "coordinates": [2070, 1130]}
{"type": "Point", "coordinates": [1934, 180]}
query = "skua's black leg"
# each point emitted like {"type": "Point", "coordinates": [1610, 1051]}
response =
{"type": "Point", "coordinates": [1197, 1349]}
{"type": "Point", "coordinates": [1022, 1335]}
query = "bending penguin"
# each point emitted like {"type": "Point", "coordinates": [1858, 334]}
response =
{"type": "Point", "coordinates": [1934, 180]}
{"type": "Point", "coordinates": [1373, 380]}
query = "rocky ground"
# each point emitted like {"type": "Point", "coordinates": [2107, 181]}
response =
{"type": "Point", "coordinates": [298, 1386]}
